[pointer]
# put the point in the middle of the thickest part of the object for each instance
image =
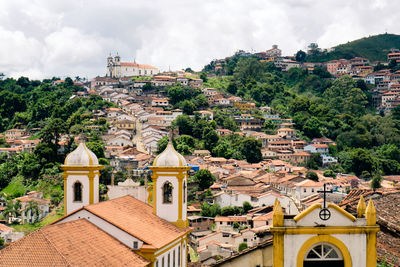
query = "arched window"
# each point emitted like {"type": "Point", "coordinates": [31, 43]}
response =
{"type": "Point", "coordinates": [167, 192]}
{"type": "Point", "coordinates": [323, 253]}
{"type": "Point", "coordinates": [78, 191]}
{"type": "Point", "coordinates": [184, 191]}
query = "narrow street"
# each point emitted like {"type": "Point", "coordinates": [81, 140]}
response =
{"type": "Point", "coordinates": [137, 138]}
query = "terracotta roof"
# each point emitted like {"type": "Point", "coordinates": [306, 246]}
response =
{"type": "Point", "coordinates": [75, 243]}
{"type": "Point", "coordinates": [230, 219]}
{"type": "Point", "coordinates": [4, 228]}
{"type": "Point", "coordinates": [136, 218]}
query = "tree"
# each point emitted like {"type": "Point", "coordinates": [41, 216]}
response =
{"type": "Point", "coordinates": [242, 246]}
{"type": "Point", "coordinates": [329, 173]}
{"type": "Point", "coordinates": [162, 144]}
{"type": "Point", "coordinates": [246, 206]}
{"type": "Point", "coordinates": [251, 149]}
{"type": "Point", "coordinates": [248, 69]}
{"type": "Point", "coordinates": [203, 76]}
{"type": "Point", "coordinates": [12, 210]}
{"type": "Point", "coordinates": [52, 131]}
{"type": "Point", "coordinates": [314, 162]}
{"type": "Point", "coordinates": [208, 210]}
{"type": "Point", "coordinates": [210, 138]}
{"type": "Point", "coordinates": [301, 56]}
{"type": "Point", "coordinates": [69, 81]}
{"type": "Point", "coordinates": [312, 176]}
{"type": "Point", "coordinates": [188, 107]}
{"type": "Point", "coordinates": [185, 124]}
{"type": "Point", "coordinates": [227, 211]}
{"type": "Point", "coordinates": [189, 70]}
{"type": "Point", "coordinates": [96, 148]}
{"type": "Point", "coordinates": [376, 181]}
{"type": "Point", "coordinates": [204, 178]}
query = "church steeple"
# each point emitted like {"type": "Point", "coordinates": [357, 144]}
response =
{"type": "Point", "coordinates": [81, 179]}
{"type": "Point", "coordinates": [170, 186]}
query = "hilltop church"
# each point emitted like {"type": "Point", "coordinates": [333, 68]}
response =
{"type": "Point", "coordinates": [119, 232]}
{"type": "Point", "coordinates": [118, 69]}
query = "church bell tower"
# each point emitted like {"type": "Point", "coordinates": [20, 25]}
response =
{"type": "Point", "coordinates": [81, 179]}
{"type": "Point", "coordinates": [170, 186]}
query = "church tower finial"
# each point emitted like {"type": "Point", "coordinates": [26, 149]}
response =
{"type": "Point", "coordinates": [361, 207]}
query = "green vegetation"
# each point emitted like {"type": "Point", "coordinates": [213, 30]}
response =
{"type": "Point", "coordinates": [320, 107]}
{"type": "Point", "coordinates": [50, 218]}
{"type": "Point", "coordinates": [374, 48]}
{"type": "Point", "coordinates": [50, 108]}
{"type": "Point", "coordinates": [242, 246]}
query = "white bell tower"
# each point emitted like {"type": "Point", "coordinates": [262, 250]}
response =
{"type": "Point", "coordinates": [170, 186]}
{"type": "Point", "coordinates": [81, 179]}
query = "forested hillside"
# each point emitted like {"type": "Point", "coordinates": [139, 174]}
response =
{"type": "Point", "coordinates": [48, 108]}
{"type": "Point", "coordinates": [367, 144]}
{"type": "Point", "coordinates": [374, 48]}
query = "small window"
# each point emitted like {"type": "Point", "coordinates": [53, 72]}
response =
{"type": "Point", "coordinates": [78, 192]}
{"type": "Point", "coordinates": [305, 190]}
{"type": "Point", "coordinates": [135, 244]}
{"type": "Point", "coordinates": [184, 192]}
{"type": "Point", "coordinates": [162, 262]}
{"type": "Point", "coordinates": [169, 260]}
{"type": "Point", "coordinates": [167, 193]}
{"type": "Point", "coordinates": [245, 240]}
{"type": "Point", "coordinates": [173, 259]}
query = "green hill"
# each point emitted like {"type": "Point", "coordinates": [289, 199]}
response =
{"type": "Point", "coordinates": [375, 48]}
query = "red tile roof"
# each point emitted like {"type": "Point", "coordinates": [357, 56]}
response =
{"type": "Point", "coordinates": [75, 243]}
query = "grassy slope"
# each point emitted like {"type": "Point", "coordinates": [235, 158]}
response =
{"type": "Point", "coordinates": [54, 215]}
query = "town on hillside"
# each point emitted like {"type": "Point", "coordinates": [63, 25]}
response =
{"type": "Point", "coordinates": [245, 162]}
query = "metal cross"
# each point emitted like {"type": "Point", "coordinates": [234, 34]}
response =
{"type": "Point", "coordinates": [324, 213]}
{"type": "Point", "coordinates": [325, 191]}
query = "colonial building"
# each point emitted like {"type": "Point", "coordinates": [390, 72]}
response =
{"type": "Point", "coordinates": [120, 232]}
{"type": "Point", "coordinates": [118, 69]}
{"type": "Point", "coordinates": [325, 235]}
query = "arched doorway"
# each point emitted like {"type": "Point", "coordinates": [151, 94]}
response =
{"type": "Point", "coordinates": [323, 254]}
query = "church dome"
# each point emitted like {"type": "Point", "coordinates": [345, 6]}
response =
{"type": "Point", "coordinates": [169, 158]}
{"type": "Point", "coordinates": [81, 156]}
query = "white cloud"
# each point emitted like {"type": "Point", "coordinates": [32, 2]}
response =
{"type": "Point", "coordinates": [57, 38]}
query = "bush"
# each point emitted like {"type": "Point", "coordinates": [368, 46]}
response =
{"type": "Point", "coordinates": [329, 173]}
{"type": "Point", "coordinates": [242, 246]}
{"type": "Point", "coordinates": [312, 176]}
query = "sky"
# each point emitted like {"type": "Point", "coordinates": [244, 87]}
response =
{"type": "Point", "coordinates": [45, 38]}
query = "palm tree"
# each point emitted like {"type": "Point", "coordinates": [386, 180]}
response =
{"type": "Point", "coordinates": [12, 210]}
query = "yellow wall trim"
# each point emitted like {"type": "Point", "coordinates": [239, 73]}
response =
{"type": "Point", "coordinates": [325, 230]}
{"type": "Point", "coordinates": [328, 239]}
{"type": "Point", "coordinates": [307, 211]}
{"type": "Point", "coordinates": [319, 206]}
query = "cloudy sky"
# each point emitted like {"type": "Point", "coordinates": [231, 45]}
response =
{"type": "Point", "coordinates": [46, 38]}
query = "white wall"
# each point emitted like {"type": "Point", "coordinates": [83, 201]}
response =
{"type": "Point", "coordinates": [84, 180]}
{"type": "Point", "coordinates": [170, 211]}
{"type": "Point", "coordinates": [356, 244]}
{"type": "Point", "coordinates": [117, 233]}
{"type": "Point", "coordinates": [175, 246]}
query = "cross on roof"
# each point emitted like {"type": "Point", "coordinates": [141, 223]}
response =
{"type": "Point", "coordinates": [325, 191]}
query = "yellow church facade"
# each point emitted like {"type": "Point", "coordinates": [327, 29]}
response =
{"type": "Point", "coordinates": [325, 236]}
